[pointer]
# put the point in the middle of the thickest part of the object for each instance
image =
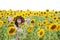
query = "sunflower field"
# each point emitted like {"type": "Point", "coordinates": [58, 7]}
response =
{"type": "Point", "coordinates": [39, 25]}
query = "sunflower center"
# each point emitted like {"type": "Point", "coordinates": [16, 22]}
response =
{"type": "Point", "coordinates": [23, 14]}
{"type": "Point", "coordinates": [1, 13]}
{"type": "Point", "coordinates": [32, 21]}
{"type": "Point", "coordinates": [44, 12]}
{"type": "Point", "coordinates": [41, 33]}
{"type": "Point", "coordinates": [53, 27]}
{"type": "Point", "coordinates": [50, 21]}
{"type": "Point", "coordinates": [41, 12]}
{"type": "Point", "coordinates": [12, 22]}
{"type": "Point", "coordinates": [44, 22]}
{"type": "Point", "coordinates": [47, 10]}
{"type": "Point", "coordinates": [34, 13]}
{"type": "Point", "coordinates": [30, 28]}
{"type": "Point", "coordinates": [12, 30]}
{"type": "Point", "coordinates": [56, 12]}
{"type": "Point", "coordinates": [37, 13]}
{"type": "Point", "coordinates": [54, 18]}
{"type": "Point", "coordinates": [7, 13]}
{"type": "Point", "coordinates": [28, 14]}
{"type": "Point", "coordinates": [39, 24]}
{"type": "Point", "coordinates": [47, 27]}
{"type": "Point", "coordinates": [46, 17]}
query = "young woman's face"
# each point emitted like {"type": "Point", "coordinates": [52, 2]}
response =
{"type": "Point", "coordinates": [18, 21]}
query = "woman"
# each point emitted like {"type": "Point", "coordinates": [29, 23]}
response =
{"type": "Point", "coordinates": [20, 34]}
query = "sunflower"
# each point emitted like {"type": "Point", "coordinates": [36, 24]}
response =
{"type": "Point", "coordinates": [45, 16]}
{"type": "Point", "coordinates": [27, 10]}
{"type": "Point", "coordinates": [21, 11]}
{"type": "Point", "coordinates": [1, 16]}
{"type": "Point", "coordinates": [40, 33]}
{"type": "Point", "coordinates": [11, 30]}
{"type": "Point", "coordinates": [32, 21]}
{"type": "Point", "coordinates": [50, 15]}
{"type": "Point", "coordinates": [1, 23]}
{"type": "Point", "coordinates": [55, 18]}
{"type": "Point", "coordinates": [56, 12]}
{"type": "Point", "coordinates": [44, 13]}
{"type": "Point", "coordinates": [59, 12]}
{"type": "Point", "coordinates": [47, 10]}
{"type": "Point", "coordinates": [28, 14]}
{"type": "Point", "coordinates": [17, 11]}
{"type": "Point", "coordinates": [30, 29]}
{"type": "Point", "coordinates": [17, 15]}
{"type": "Point", "coordinates": [47, 27]}
{"type": "Point", "coordinates": [14, 12]}
{"type": "Point", "coordinates": [53, 26]}
{"type": "Point", "coordinates": [14, 16]}
{"type": "Point", "coordinates": [58, 26]}
{"type": "Point", "coordinates": [4, 22]}
{"type": "Point", "coordinates": [45, 22]}
{"type": "Point", "coordinates": [35, 14]}
{"type": "Point", "coordinates": [50, 21]}
{"type": "Point", "coordinates": [41, 13]}
{"type": "Point", "coordinates": [39, 24]}
{"type": "Point", "coordinates": [38, 29]}
{"type": "Point", "coordinates": [8, 13]}
{"type": "Point", "coordinates": [58, 17]}
{"type": "Point", "coordinates": [23, 14]}
{"type": "Point", "coordinates": [12, 22]}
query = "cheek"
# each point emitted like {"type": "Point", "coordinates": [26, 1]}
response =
{"type": "Point", "coordinates": [19, 21]}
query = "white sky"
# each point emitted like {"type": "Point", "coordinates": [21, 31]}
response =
{"type": "Point", "coordinates": [30, 4]}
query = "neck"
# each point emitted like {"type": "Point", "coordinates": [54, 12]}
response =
{"type": "Point", "coordinates": [18, 25]}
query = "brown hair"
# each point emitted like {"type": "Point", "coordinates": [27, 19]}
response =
{"type": "Point", "coordinates": [19, 17]}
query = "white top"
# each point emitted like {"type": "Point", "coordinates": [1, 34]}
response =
{"type": "Point", "coordinates": [18, 29]}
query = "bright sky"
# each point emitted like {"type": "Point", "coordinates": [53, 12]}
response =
{"type": "Point", "coordinates": [30, 4]}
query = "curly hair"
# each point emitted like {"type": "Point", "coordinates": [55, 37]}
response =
{"type": "Point", "coordinates": [19, 17]}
